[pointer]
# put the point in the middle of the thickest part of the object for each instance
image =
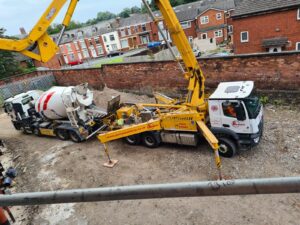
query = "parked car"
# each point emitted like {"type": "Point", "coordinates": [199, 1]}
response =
{"type": "Point", "coordinates": [114, 53]}
{"type": "Point", "coordinates": [197, 52]}
{"type": "Point", "coordinates": [154, 44]}
{"type": "Point", "coordinates": [76, 62]}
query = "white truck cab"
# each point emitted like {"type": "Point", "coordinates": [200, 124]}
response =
{"type": "Point", "coordinates": [236, 116]}
{"type": "Point", "coordinates": [19, 107]}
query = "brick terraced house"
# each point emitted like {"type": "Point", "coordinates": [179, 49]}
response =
{"type": "Point", "coordinates": [136, 31]}
{"type": "Point", "coordinates": [212, 20]}
{"type": "Point", "coordinates": [266, 26]}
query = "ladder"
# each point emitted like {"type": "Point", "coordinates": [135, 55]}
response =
{"type": "Point", "coordinates": [71, 112]}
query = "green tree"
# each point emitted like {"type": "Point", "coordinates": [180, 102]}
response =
{"type": "Point", "coordinates": [101, 16]}
{"type": "Point", "coordinates": [125, 13]}
{"type": "Point", "coordinates": [135, 9]}
{"type": "Point", "coordinates": [8, 65]}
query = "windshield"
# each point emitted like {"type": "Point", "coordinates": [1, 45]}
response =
{"type": "Point", "coordinates": [253, 106]}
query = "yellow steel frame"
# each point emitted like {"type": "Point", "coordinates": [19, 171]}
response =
{"type": "Point", "coordinates": [47, 47]}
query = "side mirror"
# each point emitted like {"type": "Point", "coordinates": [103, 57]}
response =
{"type": "Point", "coordinates": [240, 112]}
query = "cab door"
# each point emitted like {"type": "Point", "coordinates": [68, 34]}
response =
{"type": "Point", "coordinates": [232, 119]}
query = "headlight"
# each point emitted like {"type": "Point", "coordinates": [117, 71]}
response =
{"type": "Point", "coordinates": [256, 140]}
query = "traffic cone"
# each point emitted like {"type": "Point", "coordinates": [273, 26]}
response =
{"type": "Point", "coordinates": [3, 218]}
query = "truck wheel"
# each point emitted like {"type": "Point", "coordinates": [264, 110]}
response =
{"type": "Point", "coordinates": [151, 139]}
{"type": "Point", "coordinates": [74, 137]}
{"type": "Point", "coordinates": [62, 134]}
{"type": "Point", "coordinates": [227, 147]}
{"type": "Point", "coordinates": [36, 131]}
{"type": "Point", "coordinates": [133, 139]}
{"type": "Point", "coordinates": [24, 130]}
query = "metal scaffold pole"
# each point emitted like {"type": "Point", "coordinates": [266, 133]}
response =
{"type": "Point", "coordinates": [152, 191]}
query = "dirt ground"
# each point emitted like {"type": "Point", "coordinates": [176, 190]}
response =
{"type": "Point", "coordinates": [50, 164]}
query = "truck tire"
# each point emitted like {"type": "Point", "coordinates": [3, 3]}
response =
{"type": "Point", "coordinates": [36, 131]}
{"type": "Point", "coordinates": [151, 139]}
{"type": "Point", "coordinates": [227, 147]}
{"type": "Point", "coordinates": [133, 139]}
{"type": "Point", "coordinates": [74, 136]}
{"type": "Point", "coordinates": [62, 134]}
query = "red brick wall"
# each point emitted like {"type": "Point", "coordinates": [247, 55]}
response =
{"type": "Point", "coordinates": [276, 24]}
{"type": "Point", "coordinates": [79, 76]}
{"type": "Point", "coordinates": [269, 71]}
{"type": "Point", "coordinates": [279, 71]}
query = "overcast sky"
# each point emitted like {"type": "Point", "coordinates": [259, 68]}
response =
{"type": "Point", "coordinates": [25, 13]}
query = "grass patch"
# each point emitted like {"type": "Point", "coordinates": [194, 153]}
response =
{"type": "Point", "coordinates": [109, 61]}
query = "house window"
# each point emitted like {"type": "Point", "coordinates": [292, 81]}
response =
{"type": "Point", "coordinates": [85, 53]}
{"type": "Point", "coordinates": [114, 47]}
{"type": "Point", "coordinates": [218, 33]}
{"type": "Point", "coordinates": [100, 49]}
{"type": "Point", "coordinates": [204, 36]}
{"type": "Point", "coordinates": [145, 39]}
{"type": "Point", "coordinates": [82, 43]}
{"type": "Point", "coordinates": [298, 46]}
{"type": "Point", "coordinates": [69, 47]}
{"type": "Point", "coordinates": [204, 19]}
{"type": "Point", "coordinates": [186, 24]}
{"type": "Point", "coordinates": [129, 30]}
{"type": "Point", "coordinates": [111, 37]}
{"type": "Point", "coordinates": [298, 14]}
{"type": "Point", "coordinates": [136, 29]}
{"type": "Point", "coordinates": [230, 29]}
{"type": "Point", "coordinates": [219, 16]}
{"type": "Point", "coordinates": [144, 27]}
{"type": "Point", "coordinates": [122, 32]}
{"type": "Point", "coordinates": [191, 39]}
{"type": "Point", "coordinates": [124, 43]}
{"type": "Point", "coordinates": [104, 38]}
{"type": "Point", "coordinates": [244, 36]}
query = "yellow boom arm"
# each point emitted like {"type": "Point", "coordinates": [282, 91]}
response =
{"type": "Point", "coordinates": [194, 74]}
{"type": "Point", "coordinates": [38, 35]}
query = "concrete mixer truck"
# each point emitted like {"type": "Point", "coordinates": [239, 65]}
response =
{"type": "Point", "coordinates": [64, 112]}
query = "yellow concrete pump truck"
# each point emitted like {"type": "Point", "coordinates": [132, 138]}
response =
{"type": "Point", "coordinates": [230, 119]}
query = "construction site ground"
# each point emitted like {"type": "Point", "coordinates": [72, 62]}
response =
{"type": "Point", "coordinates": [50, 164]}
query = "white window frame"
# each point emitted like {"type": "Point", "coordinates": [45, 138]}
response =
{"type": "Point", "coordinates": [122, 32]}
{"type": "Point", "coordinates": [186, 24]}
{"type": "Point", "coordinates": [230, 30]}
{"type": "Point", "coordinates": [244, 41]}
{"type": "Point", "coordinates": [298, 14]}
{"type": "Point", "coordinates": [129, 30]}
{"type": "Point", "coordinates": [124, 43]}
{"type": "Point", "coordinates": [297, 46]}
{"type": "Point", "coordinates": [114, 47]}
{"type": "Point", "coordinates": [204, 19]}
{"type": "Point", "coordinates": [219, 16]}
{"type": "Point", "coordinates": [218, 33]}
{"type": "Point", "coordinates": [112, 37]}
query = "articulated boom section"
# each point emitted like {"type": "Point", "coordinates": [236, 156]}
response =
{"type": "Point", "coordinates": [194, 74]}
{"type": "Point", "coordinates": [38, 36]}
